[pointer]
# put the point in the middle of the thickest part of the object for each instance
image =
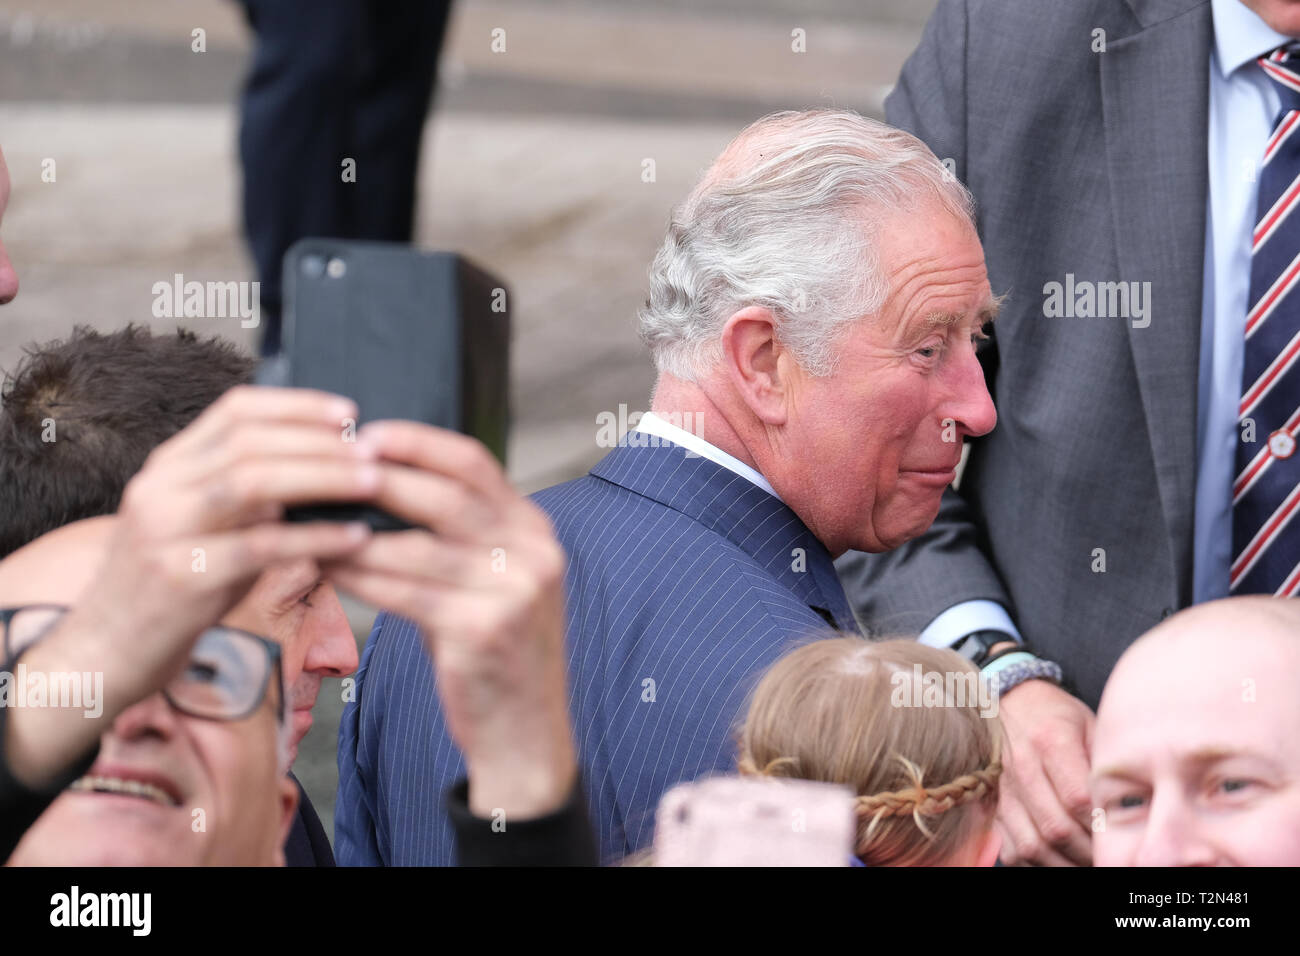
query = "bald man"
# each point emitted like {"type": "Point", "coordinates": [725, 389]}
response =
{"type": "Point", "coordinates": [1196, 755]}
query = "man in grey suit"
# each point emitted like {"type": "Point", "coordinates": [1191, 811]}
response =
{"type": "Point", "coordinates": [1117, 150]}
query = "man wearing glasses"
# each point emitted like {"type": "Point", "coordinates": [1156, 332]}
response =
{"type": "Point", "coordinates": [226, 477]}
{"type": "Point", "coordinates": [116, 396]}
{"type": "Point", "coordinates": [192, 774]}
{"type": "Point", "coordinates": [189, 717]}
{"type": "Point", "coordinates": [290, 603]}
{"type": "Point", "coordinates": [195, 530]}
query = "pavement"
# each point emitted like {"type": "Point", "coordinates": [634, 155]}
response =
{"type": "Point", "coordinates": [532, 166]}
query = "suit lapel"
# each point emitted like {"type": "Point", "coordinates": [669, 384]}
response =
{"type": "Point", "coordinates": [1155, 102]}
{"type": "Point", "coordinates": [733, 507]}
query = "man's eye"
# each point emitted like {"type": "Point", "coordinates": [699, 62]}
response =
{"type": "Point", "coordinates": [202, 671]}
{"type": "Point", "coordinates": [1234, 785]}
{"type": "Point", "coordinates": [1125, 803]}
{"type": "Point", "coordinates": [306, 598]}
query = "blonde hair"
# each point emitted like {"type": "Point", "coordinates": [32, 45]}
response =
{"type": "Point", "coordinates": [926, 776]}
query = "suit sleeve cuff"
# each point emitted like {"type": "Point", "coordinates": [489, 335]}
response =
{"type": "Point", "coordinates": [562, 838]}
{"type": "Point", "coordinates": [967, 618]}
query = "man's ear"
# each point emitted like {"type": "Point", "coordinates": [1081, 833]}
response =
{"type": "Point", "coordinates": [288, 801]}
{"type": "Point", "coordinates": [756, 364]}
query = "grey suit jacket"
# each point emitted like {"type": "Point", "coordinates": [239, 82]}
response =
{"type": "Point", "coordinates": [1093, 165]}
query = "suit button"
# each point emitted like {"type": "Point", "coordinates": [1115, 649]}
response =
{"type": "Point", "coordinates": [1166, 612]}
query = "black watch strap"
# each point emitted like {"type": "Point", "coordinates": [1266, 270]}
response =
{"type": "Point", "coordinates": [975, 646]}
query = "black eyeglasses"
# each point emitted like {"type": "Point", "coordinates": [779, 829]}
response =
{"type": "Point", "coordinates": [226, 677]}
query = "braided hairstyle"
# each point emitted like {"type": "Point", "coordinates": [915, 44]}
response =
{"type": "Point", "coordinates": [854, 712]}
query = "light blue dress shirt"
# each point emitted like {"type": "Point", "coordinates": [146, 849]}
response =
{"type": "Point", "coordinates": [1243, 105]}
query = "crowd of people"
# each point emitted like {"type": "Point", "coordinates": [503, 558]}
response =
{"type": "Point", "coordinates": [1082, 651]}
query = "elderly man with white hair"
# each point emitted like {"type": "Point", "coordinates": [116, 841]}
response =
{"type": "Point", "coordinates": [814, 313]}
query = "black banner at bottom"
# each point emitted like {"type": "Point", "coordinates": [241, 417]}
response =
{"type": "Point", "coordinates": [1006, 904]}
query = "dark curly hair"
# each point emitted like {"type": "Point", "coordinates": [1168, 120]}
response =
{"type": "Point", "coordinates": [79, 416]}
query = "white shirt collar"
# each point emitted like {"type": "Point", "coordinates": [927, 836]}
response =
{"type": "Point", "coordinates": [652, 424]}
{"type": "Point", "coordinates": [1240, 36]}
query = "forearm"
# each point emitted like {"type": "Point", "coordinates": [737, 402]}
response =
{"type": "Point", "coordinates": [522, 764]}
{"type": "Point", "coordinates": [41, 741]}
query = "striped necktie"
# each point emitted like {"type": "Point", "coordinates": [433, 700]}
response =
{"type": "Point", "coordinates": [1266, 490]}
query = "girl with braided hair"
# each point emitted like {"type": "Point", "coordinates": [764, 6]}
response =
{"type": "Point", "coordinates": [900, 723]}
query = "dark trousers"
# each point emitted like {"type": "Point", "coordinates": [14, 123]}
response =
{"type": "Point", "coordinates": [333, 80]}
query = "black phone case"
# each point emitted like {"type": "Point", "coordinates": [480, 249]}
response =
{"type": "Point", "coordinates": [404, 333]}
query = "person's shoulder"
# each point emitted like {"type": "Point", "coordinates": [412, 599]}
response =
{"type": "Point", "coordinates": [633, 551]}
{"type": "Point", "coordinates": [1040, 12]}
{"type": "Point", "coordinates": [600, 514]}
{"type": "Point", "coordinates": [672, 570]}
{"type": "Point", "coordinates": [394, 662]}
{"type": "Point", "coordinates": [307, 844]}
{"type": "Point", "coordinates": [596, 518]}
{"type": "Point", "coordinates": [570, 498]}
{"type": "Point", "coordinates": [1050, 22]}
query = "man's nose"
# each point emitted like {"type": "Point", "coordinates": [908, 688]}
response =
{"type": "Point", "coordinates": [333, 648]}
{"type": "Point", "coordinates": [970, 404]}
{"type": "Point", "coordinates": [152, 716]}
{"type": "Point", "coordinates": [1172, 836]}
{"type": "Point", "coordinates": [8, 278]}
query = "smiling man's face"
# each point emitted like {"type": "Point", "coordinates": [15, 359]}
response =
{"type": "Point", "coordinates": [212, 795]}
{"type": "Point", "coordinates": [1195, 758]}
{"type": "Point", "coordinates": [202, 792]}
{"type": "Point", "coordinates": [8, 278]}
{"type": "Point", "coordinates": [875, 443]}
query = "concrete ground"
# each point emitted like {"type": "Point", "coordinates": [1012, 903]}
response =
{"type": "Point", "coordinates": [532, 166]}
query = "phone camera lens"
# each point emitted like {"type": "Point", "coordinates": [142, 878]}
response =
{"type": "Point", "coordinates": [313, 267]}
{"type": "Point", "coordinates": [336, 268]}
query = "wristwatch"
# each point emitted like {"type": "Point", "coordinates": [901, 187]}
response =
{"type": "Point", "coordinates": [975, 647]}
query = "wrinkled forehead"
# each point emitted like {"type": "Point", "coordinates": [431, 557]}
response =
{"type": "Point", "coordinates": [57, 567]}
{"type": "Point", "coordinates": [934, 264]}
{"type": "Point", "coordinates": [290, 579]}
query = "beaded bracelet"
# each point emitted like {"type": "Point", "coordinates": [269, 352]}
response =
{"type": "Point", "coordinates": [1018, 673]}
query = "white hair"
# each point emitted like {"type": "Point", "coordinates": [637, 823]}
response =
{"type": "Point", "coordinates": [786, 219]}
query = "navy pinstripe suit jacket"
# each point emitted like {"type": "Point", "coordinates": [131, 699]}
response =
{"type": "Point", "coordinates": [685, 581]}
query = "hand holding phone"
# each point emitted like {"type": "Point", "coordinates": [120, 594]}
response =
{"type": "Point", "coordinates": [482, 575]}
{"type": "Point", "coordinates": [406, 334]}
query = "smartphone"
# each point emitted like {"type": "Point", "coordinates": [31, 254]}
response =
{"type": "Point", "coordinates": [755, 821]}
{"type": "Point", "coordinates": [403, 332]}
